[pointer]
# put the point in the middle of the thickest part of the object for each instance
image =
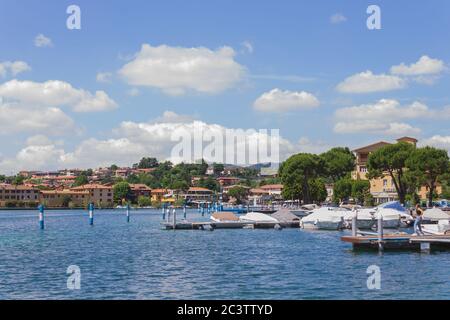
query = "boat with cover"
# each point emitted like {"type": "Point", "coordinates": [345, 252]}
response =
{"type": "Point", "coordinates": [325, 218]}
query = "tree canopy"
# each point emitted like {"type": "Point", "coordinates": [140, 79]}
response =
{"type": "Point", "coordinates": [297, 174]}
{"type": "Point", "coordinates": [428, 164]}
{"type": "Point", "coordinates": [339, 162]}
{"type": "Point", "coordinates": [391, 160]}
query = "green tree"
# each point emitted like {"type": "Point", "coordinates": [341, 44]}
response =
{"type": "Point", "coordinates": [66, 201]}
{"type": "Point", "coordinates": [391, 160]}
{"type": "Point", "coordinates": [429, 164]}
{"type": "Point", "coordinates": [339, 162]}
{"type": "Point", "coordinates": [122, 191]}
{"type": "Point", "coordinates": [146, 163]}
{"type": "Point", "coordinates": [209, 183]}
{"type": "Point", "coordinates": [80, 180]}
{"type": "Point", "coordinates": [113, 167]}
{"type": "Point", "coordinates": [318, 190]}
{"type": "Point", "coordinates": [296, 174]}
{"type": "Point", "coordinates": [239, 193]}
{"type": "Point", "coordinates": [342, 190]}
{"type": "Point", "coordinates": [144, 201]}
{"type": "Point", "coordinates": [18, 179]}
{"type": "Point", "coordinates": [360, 188]}
{"type": "Point", "coordinates": [218, 168]}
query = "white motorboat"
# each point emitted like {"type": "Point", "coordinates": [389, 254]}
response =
{"type": "Point", "coordinates": [324, 219]}
{"type": "Point", "coordinates": [441, 228]}
{"type": "Point", "coordinates": [391, 217]}
{"type": "Point", "coordinates": [257, 217]}
{"type": "Point", "coordinates": [226, 219]}
{"type": "Point", "coordinates": [365, 218]}
{"type": "Point", "coordinates": [435, 214]}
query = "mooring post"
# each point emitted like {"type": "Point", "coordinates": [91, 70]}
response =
{"type": "Point", "coordinates": [168, 214]}
{"type": "Point", "coordinates": [354, 218]}
{"type": "Point", "coordinates": [203, 210]}
{"type": "Point", "coordinates": [91, 214]}
{"type": "Point", "coordinates": [128, 212]}
{"type": "Point", "coordinates": [184, 211]}
{"type": "Point", "coordinates": [41, 216]}
{"type": "Point", "coordinates": [174, 218]}
{"type": "Point", "coordinates": [164, 211]}
{"type": "Point", "coordinates": [380, 232]}
{"type": "Point", "coordinates": [198, 208]}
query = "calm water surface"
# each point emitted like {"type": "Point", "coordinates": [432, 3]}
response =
{"type": "Point", "coordinates": [138, 260]}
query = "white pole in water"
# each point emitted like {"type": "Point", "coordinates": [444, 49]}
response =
{"type": "Point", "coordinates": [355, 215]}
{"type": "Point", "coordinates": [184, 211]}
{"type": "Point", "coordinates": [41, 216]}
{"type": "Point", "coordinates": [174, 219]}
{"type": "Point", "coordinates": [168, 214]}
{"type": "Point", "coordinates": [128, 213]}
{"type": "Point", "coordinates": [380, 231]}
{"type": "Point", "coordinates": [91, 214]}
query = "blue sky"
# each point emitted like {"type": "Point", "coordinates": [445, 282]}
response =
{"type": "Point", "coordinates": [293, 47]}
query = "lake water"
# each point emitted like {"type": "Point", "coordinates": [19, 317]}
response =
{"type": "Point", "coordinates": [138, 260]}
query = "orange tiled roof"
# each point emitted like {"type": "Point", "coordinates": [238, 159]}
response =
{"type": "Point", "coordinates": [91, 186]}
{"type": "Point", "coordinates": [272, 186]}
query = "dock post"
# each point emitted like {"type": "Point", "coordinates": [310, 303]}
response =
{"type": "Point", "coordinates": [41, 216]}
{"type": "Point", "coordinates": [354, 231]}
{"type": "Point", "coordinates": [128, 213]}
{"type": "Point", "coordinates": [164, 211]}
{"type": "Point", "coordinates": [198, 208]}
{"type": "Point", "coordinates": [91, 214]}
{"type": "Point", "coordinates": [380, 232]}
{"type": "Point", "coordinates": [174, 221]}
{"type": "Point", "coordinates": [168, 214]}
{"type": "Point", "coordinates": [203, 210]}
{"type": "Point", "coordinates": [184, 212]}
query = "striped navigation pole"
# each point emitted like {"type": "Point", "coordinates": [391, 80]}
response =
{"type": "Point", "coordinates": [41, 216]}
{"type": "Point", "coordinates": [163, 211]}
{"type": "Point", "coordinates": [91, 214]}
{"type": "Point", "coordinates": [184, 211]}
{"type": "Point", "coordinates": [128, 212]}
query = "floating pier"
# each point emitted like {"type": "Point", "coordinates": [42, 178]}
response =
{"type": "Point", "coordinates": [399, 242]}
{"type": "Point", "coordinates": [185, 225]}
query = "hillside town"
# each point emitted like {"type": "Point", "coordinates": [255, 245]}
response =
{"type": "Point", "coordinates": [347, 177]}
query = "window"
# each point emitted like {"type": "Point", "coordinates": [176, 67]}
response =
{"type": "Point", "coordinates": [363, 169]}
{"type": "Point", "coordinates": [385, 182]}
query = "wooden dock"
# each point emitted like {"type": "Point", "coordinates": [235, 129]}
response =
{"type": "Point", "coordinates": [211, 225]}
{"type": "Point", "coordinates": [399, 242]}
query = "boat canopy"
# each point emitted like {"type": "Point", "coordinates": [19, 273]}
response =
{"type": "Point", "coordinates": [396, 205]}
{"type": "Point", "coordinates": [285, 215]}
{"type": "Point", "coordinates": [436, 214]}
{"type": "Point", "coordinates": [224, 216]}
{"type": "Point", "coordinates": [257, 217]}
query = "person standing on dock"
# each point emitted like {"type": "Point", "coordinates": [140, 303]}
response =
{"type": "Point", "coordinates": [418, 221]}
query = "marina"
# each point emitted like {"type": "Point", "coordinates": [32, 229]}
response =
{"type": "Point", "coordinates": [138, 260]}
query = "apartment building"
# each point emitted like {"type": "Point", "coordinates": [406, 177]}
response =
{"type": "Point", "coordinates": [64, 198]}
{"type": "Point", "coordinates": [100, 195]}
{"type": "Point", "coordinates": [15, 194]}
{"type": "Point", "coordinates": [382, 189]}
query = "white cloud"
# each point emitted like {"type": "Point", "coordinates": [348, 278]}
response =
{"type": "Point", "coordinates": [15, 117]}
{"type": "Point", "coordinates": [247, 47]}
{"type": "Point", "coordinates": [424, 66]}
{"type": "Point", "coordinates": [42, 41]}
{"type": "Point", "coordinates": [376, 127]}
{"type": "Point", "coordinates": [54, 93]}
{"type": "Point", "coordinates": [13, 68]}
{"type": "Point", "coordinates": [367, 82]}
{"type": "Point", "coordinates": [380, 117]}
{"type": "Point", "coordinates": [104, 77]}
{"type": "Point", "coordinates": [384, 110]}
{"type": "Point", "coordinates": [337, 18]}
{"type": "Point", "coordinates": [438, 141]}
{"type": "Point", "coordinates": [173, 117]}
{"type": "Point", "coordinates": [133, 92]}
{"type": "Point", "coordinates": [277, 100]}
{"type": "Point", "coordinates": [176, 70]}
